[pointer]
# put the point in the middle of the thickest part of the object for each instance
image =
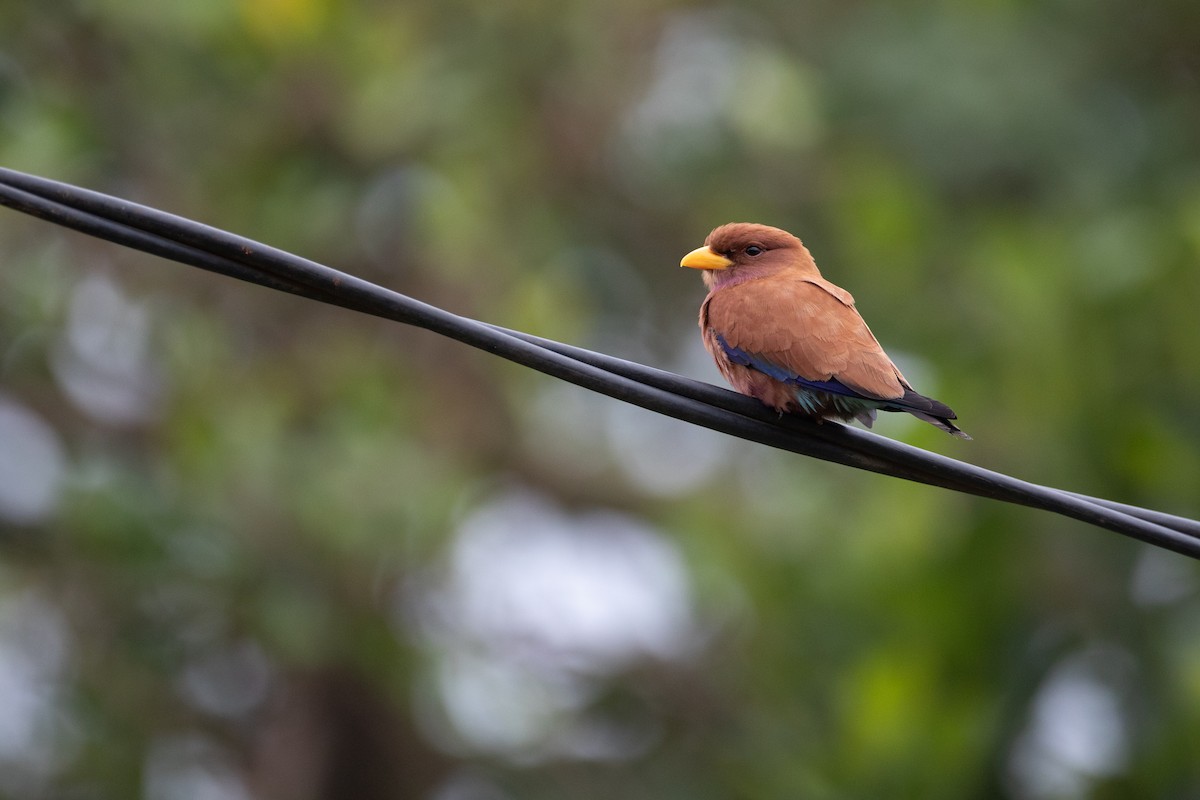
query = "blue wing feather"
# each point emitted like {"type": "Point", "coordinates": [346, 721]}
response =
{"type": "Point", "coordinates": [832, 386]}
{"type": "Point", "coordinates": [813, 396]}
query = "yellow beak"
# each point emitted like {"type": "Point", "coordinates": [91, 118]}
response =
{"type": "Point", "coordinates": [705, 258]}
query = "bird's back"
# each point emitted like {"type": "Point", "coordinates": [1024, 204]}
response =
{"type": "Point", "coordinates": [804, 325]}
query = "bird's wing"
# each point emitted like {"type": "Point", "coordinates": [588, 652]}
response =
{"type": "Point", "coordinates": [804, 331]}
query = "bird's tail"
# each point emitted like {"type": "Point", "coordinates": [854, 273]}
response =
{"type": "Point", "coordinates": [941, 422]}
{"type": "Point", "coordinates": [936, 413]}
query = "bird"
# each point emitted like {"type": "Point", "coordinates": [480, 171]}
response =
{"type": "Point", "coordinates": [784, 335]}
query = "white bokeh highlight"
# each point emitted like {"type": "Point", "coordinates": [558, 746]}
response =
{"type": "Point", "coordinates": [191, 767]}
{"type": "Point", "coordinates": [32, 465]}
{"type": "Point", "coordinates": [103, 359]}
{"type": "Point", "coordinates": [535, 608]}
{"type": "Point", "coordinates": [1078, 730]}
{"type": "Point", "coordinates": [36, 733]}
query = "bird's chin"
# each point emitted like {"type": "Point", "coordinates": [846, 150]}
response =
{"type": "Point", "coordinates": [716, 278]}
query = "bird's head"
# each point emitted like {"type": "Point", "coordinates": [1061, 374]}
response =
{"type": "Point", "coordinates": [742, 251]}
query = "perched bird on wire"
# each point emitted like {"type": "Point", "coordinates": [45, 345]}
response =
{"type": "Point", "coordinates": [781, 333]}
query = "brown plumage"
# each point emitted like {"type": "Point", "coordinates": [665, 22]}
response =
{"type": "Point", "coordinates": [781, 333]}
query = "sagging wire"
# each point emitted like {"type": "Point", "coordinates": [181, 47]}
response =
{"type": "Point", "coordinates": [192, 243]}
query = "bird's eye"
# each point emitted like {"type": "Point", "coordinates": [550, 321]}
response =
{"type": "Point", "coordinates": [754, 250]}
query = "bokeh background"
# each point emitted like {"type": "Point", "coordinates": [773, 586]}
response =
{"type": "Point", "coordinates": [252, 547]}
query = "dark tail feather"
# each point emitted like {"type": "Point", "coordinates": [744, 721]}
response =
{"type": "Point", "coordinates": [925, 408]}
{"type": "Point", "coordinates": [941, 422]}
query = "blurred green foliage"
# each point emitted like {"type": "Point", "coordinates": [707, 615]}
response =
{"type": "Point", "coordinates": [252, 547]}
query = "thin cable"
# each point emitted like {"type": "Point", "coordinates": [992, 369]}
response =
{"type": "Point", "coordinates": [284, 271]}
{"type": "Point", "coordinates": [188, 242]}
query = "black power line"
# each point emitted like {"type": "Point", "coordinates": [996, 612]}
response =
{"type": "Point", "coordinates": [188, 242]}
